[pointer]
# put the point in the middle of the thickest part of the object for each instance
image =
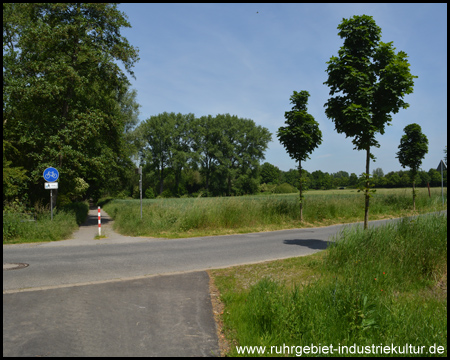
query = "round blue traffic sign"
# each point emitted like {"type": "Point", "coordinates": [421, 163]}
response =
{"type": "Point", "coordinates": [51, 174]}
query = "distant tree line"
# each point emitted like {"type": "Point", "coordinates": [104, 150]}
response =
{"type": "Point", "coordinates": [319, 180]}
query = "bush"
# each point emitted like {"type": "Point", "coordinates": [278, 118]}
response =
{"type": "Point", "coordinates": [285, 188]}
{"type": "Point", "coordinates": [149, 193]}
{"type": "Point", "coordinates": [26, 227]}
{"type": "Point", "coordinates": [166, 194]}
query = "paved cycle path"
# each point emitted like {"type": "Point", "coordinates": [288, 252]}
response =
{"type": "Point", "coordinates": [167, 315]}
{"type": "Point", "coordinates": [157, 316]}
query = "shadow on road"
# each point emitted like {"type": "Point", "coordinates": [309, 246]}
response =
{"type": "Point", "coordinates": [312, 244]}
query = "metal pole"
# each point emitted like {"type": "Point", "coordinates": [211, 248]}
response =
{"type": "Point", "coordinates": [140, 187]}
{"type": "Point", "coordinates": [51, 202]}
{"type": "Point", "coordinates": [442, 181]}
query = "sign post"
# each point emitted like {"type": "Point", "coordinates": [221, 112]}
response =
{"type": "Point", "coordinates": [441, 167]}
{"type": "Point", "coordinates": [140, 187]}
{"type": "Point", "coordinates": [139, 171]}
{"type": "Point", "coordinates": [51, 175]}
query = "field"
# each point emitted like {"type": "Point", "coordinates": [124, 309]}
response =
{"type": "Point", "coordinates": [189, 217]}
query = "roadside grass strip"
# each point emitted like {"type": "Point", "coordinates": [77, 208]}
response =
{"type": "Point", "coordinates": [385, 285]}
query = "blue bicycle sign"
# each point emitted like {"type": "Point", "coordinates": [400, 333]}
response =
{"type": "Point", "coordinates": [51, 174]}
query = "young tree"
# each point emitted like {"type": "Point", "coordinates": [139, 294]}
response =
{"type": "Point", "coordinates": [412, 149]}
{"type": "Point", "coordinates": [301, 135]}
{"type": "Point", "coordinates": [369, 81]}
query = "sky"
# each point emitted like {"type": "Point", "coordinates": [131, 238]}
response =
{"type": "Point", "coordinates": [247, 60]}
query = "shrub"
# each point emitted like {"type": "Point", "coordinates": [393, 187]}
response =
{"type": "Point", "coordinates": [285, 188]}
{"type": "Point", "coordinates": [149, 193]}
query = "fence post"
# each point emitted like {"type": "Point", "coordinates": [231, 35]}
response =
{"type": "Point", "coordinates": [99, 223]}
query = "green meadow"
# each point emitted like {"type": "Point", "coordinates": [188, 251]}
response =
{"type": "Point", "coordinates": [189, 217]}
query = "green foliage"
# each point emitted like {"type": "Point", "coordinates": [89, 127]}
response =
{"type": "Point", "coordinates": [19, 226]}
{"type": "Point", "coordinates": [14, 178]}
{"type": "Point", "coordinates": [149, 193]}
{"type": "Point", "coordinates": [301, 135]}
{"type": "Point", "coordinates": [63, 92]}
{"type": "Point", "coordinates": [413, 147]}
{"type": "Point", "coordinates": [270, 174]}
{"type": "Point", "coordinates": [369, 81]}
{"type": "Point", "coordinates": [284, 188]}
{"type": "Point", "coordinates": [220, 154]}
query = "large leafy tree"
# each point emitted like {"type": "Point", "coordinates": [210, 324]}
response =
{"type": "Point", "coordinates": [412, 149]}
{"type": "Point", "coordinates": [230, 149]}
{"type": "Point", "coordinates": [270, 174]}
{"type": "Point", "coordinates": [182, 153]}
{"type": "Point", "coordinates": [368, 81]}
{"type": "Point", "coordinates": [301, 135]}
{"type": "Point", "coordinates": [250, 143]}
{"type": "Point", "coordinates": [157, 134]}
{"type": "Point", "coordinates": [205, 142]}
{"type": "Point", "coordinates": [61, 91]}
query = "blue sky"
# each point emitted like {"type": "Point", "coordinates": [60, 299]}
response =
{"type": "Point", "coordinates": [247, 59]}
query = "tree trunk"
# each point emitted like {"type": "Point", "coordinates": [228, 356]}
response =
{"type": "Point", "coordinates": [301, 190]}
{"type": "Point", "coordinates": [414, 195]}
{"type": "Point", "coordinates": [161, 180]}
{"type": "Point", "coordinates": [367, 197]}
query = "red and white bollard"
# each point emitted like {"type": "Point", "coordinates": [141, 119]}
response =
{"type": "Point", "coordinates": [99, 223]}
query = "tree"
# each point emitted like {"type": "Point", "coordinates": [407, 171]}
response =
{"type": "Point", "coordinates": [353, 179]}
{"type": "Point", "coordinates": [205, 140]}
{"type": "Point", "coordinates": [412, 149]}
{"type": "Point", "coordinates": [340, 178]}
{"type": "Point", "coordinates": [240, 147]}
{"type": "Point", "coordinates": [369, 81]}
{"type": "Point", "coordinates": [182, 146]}
{"type": "Point", "coordinates": [157, 134]}
{"type": "Point", "coordinates": [230, 149]}
{"type": "Point", "coordinates": [378, 172]}
{"type": "Point", "coordinates": [301, 135]}
{"type": "Point", "coordinates": [270, 174]}
{"type": "Point", "coordinates": [61, 89]}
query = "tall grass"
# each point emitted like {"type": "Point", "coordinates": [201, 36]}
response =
{"type": "Point", "coordinates": [379, 286]}
{"type": "Point", "coordinates": [19, 227]}
{"type": "Point", "coordinates": [175, 216]}
{"type": "Point", "coordinates": [210, 216]}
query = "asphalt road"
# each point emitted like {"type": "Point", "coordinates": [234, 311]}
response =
{"type": "Point", "coordinates": [86, 297]}
{"type": "Point", "coordinates": [83, 260]}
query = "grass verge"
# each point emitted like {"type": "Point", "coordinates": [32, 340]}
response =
{"type": "Point", "coordinates": [22, 228]}
{"type": "Point", "coordinates": [188, 217]}
{"type": "Point", "coordinates": [386, 285]}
